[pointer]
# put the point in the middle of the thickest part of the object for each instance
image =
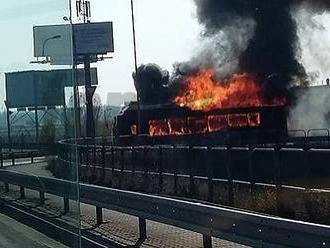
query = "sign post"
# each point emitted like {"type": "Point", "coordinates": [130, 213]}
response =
{"type": "Point", "coordinates": [89, 92]}
{"type": "Point", "coordinates": [8, 124]}
{"type": "Point", "coordinates": [89, 41]}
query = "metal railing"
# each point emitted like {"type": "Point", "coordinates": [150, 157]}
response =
{"type": "Point", "coordinates": [210, 221]}
{"type": "Point", "coordinates": [278, 166]}
{"type": "Point", "coordinates": [10, 158]}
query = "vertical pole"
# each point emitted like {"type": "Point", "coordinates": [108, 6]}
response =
{"type": "Point", "coordinates": [22, 192]}
{"type": "Point", "coordinates": [278, 181]}
{"type": "Point", "coordinates": [210, 176]}
{"type": "Point", "coordinates": [113, 159]}
{"type": "Point", "coordinates": [174, 153]}
{"type": "Point", "coordinates": [160, 169]}
{"type": "Point", "coordinates": [99, 216]}
{"type": "Point", "coordinates": [32, 158]}
{"type": "Point", "coordinates": [121, 177]}
{"type": "Point", "coordinates": [1, 158]}
{"type": "Point", "coordinates": [42, 197]}
{"type": "Point", "coordinates": [146, 165]}
{"type": "Point", "coordinates": [142, 229]}
{"type": "Point", "coordinates": [103, 162]}
{"type": "Point", "coordinates": [191, 164]}
{"type": "Point", "coordinates": [66, 204]}
{"type": "Point", "coordinates": [307, 167]}
{"type": "Point", "coordinates": [89, 92]}
{"type": "Point", "coordinates": [207, 241]}
{"type": "Point", "coordinates": [37, 123]}
{"type": "Point", "coordinates": [76, 100]}
{"type": "Point", "coordinates": [250, 162]}
{"type": "Point", "coordinates": [139, 128]}
{"type": "Point", "coordinates": [230, 178]}
{"type": "Point", "coordinates": [133, 161]}
{"type": "Point", "coordinates": [6, 187]}
{"type": "Point", "coordinates": [12, 158]}
{"type": "Point", "coordinates": [8, 128]}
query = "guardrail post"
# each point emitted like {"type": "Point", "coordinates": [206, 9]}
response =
{"type": "Point", "coordinates": [251, 175]}
{"type": "Point", "coordinates": [66, 204]}
{"type": "Point", "coordinates": [13, 159]}
{"type": "Point", "coordinates": [22, 192]}
{"type": "Point", "coordinates": [191, 163]}
{"type": "Point", "coordinates": [142, 229]}
{"type": "Point", "coordinates": [230, 178]}
{"type": "Point", "coordinates": [87, 155]}
{"type": "Point", "coordinates": [1, 158]}
{"type": "Point", "coordinates": [42, 197]}
{"type": "Point", "coordinates": [160, 169]}
{"type": "Point", "coordinates": [113, 159]}
{"type": "Point", "coordinates": [121, 167]}
{"type": "Point", "coordinates": [207, 241]}
{"type": "Point", "coordinates": [278, 181]}
{"type": "Point", "coordinates": [80, 156]}
{"type": "Point", "coordinates": [99, 216]}
{"type": "Point", "coordinates": [103, 163]}
{"type": "Point", "coordinates": [94, 162]}
{"type": "Point", "coordinates": [174, 153]}
{"type": "Point", "coordinates": [6, 187]}
{"type": "Point", "coordinates": [146, 167]}
{"type": "Point", "coordinates": [133, 159]}
{"type": "Point", "coordinates": [210, 176]}
{"type": "Point", "coordinates": [32, 158]}
{"type": "Point", "coordinates": [307, 167]}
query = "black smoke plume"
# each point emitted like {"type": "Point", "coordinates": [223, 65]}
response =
{"type": "Point", "coordinates": [272, 52]}
{"type": "Point", "coordinates": [242, 36]}
{"type": "Point", "coordinates": [151, 82]}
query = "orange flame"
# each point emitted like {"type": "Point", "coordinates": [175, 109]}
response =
{"type": "Point", "coordinates": [202, 124]}
{"type": "Point", "coordinates": [203, 93]}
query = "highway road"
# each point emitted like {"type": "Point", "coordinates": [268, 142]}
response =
{"type": "Point", "coordinates": [15, 235]}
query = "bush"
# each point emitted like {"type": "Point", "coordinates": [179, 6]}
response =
{"type": "Point", "coordinates": [61, 170]}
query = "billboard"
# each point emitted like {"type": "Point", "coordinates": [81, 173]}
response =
{"type": "Point", "coordinates": [93, 38]}
{"type": "Point", "coordinates": [41, 88]}
{"type": "Point", "coordinates": [55, 41]}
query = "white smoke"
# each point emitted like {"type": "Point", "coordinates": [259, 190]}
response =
{"type": "Point", "coordinates": [312, 108]}
{"type": "Point", "coordinates": [314, 39]}
{"type": "Point", "coordinates": [221, 51]}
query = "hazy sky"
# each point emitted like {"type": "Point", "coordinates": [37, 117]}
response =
{"type": "Point", "coordinates": [167, 31]}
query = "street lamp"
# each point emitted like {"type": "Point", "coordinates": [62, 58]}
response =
{"type": "Point", "coordinates": [56, 37]}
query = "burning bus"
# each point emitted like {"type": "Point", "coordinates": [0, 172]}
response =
{"type": "Point", "coordinates": [237, 84]}
{"type": "Point", "coordinates": [198, 109]}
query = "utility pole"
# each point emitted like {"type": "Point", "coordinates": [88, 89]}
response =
{"type": "Point", "coordinates": [139, 114]}
{"type": "Point", "coordinates": [84, 11]}
{"type": "Point", "coordinates": [89, 91]}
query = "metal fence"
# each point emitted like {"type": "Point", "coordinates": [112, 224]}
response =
{"type": "Point", "coordinates": [299, 167]}
{"type": "Point", "coordinates": [210, 221]}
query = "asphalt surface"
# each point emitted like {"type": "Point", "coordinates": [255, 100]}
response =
{"type": "Point", "coordinates": [123, 229]}
{"type": "Point", "coordinates": [117, 227]}
{"type": "Point", "coordinates": [16, 235]}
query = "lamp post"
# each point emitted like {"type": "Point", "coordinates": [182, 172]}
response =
{"type": "Point", "coordinates": [56, 37]}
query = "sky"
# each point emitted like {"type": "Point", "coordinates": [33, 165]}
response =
{"type": "Point", "coordinates": [167, 31]}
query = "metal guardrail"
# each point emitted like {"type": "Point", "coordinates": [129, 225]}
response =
{"type": "Point", "coordinates": [280, 166]}
{"type": "Point", "coordinates": [13, 156]}
{"type": "Point", "coordinates": [296, 138]}
{"type": "Point", "coordinates": [238, 226]}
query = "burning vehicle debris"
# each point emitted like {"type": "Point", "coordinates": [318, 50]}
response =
{"type": "Point", "coordinates": [239, 87]}
{"type": "Point", "coordinates": [198, 109]}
